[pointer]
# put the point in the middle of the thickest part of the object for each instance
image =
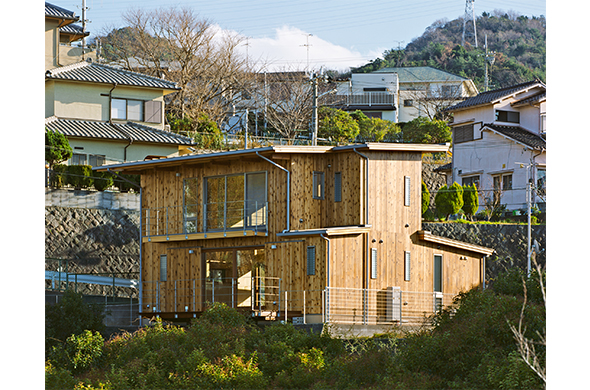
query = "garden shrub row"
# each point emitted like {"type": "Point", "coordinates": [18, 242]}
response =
{"type": "Point", "coordinates": [82, 177]}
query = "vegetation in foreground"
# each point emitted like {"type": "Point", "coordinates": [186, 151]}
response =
{"type": "Point", "coordinates": [470, 346]}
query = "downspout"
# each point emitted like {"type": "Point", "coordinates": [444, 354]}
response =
{"type": "Point", "coordinates": [367, 249]}
{"type": "Point", "coordinates": [112, 124]}
{"type": "Point", "coordinates": [288, 188]}
{"type": "Point", "coordinates": [327, 277]}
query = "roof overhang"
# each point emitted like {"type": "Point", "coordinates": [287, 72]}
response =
{"type": "Point", "coordinates": [273, 151]}
{"type": "Point", "coordinates": [328, 232]}
{"type": "Point", "coordinates": [427, 236]}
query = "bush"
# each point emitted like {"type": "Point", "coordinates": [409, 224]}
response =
{"type": "Point", "coordinates": [449, 200]}
{"type": "Point", "coordinates": [57, 378]}
{"type": "Point", "coordinates": [125, 185]}
{"type": "Point", "coordinates": [57, 147]}
{"type": "Point", "coordinates": [425, 198]}
{"type": "Point", "coordinates": [80, 176]}
{"type": "Point", "coordinates": [71, 316]}
{"type": "Point", "coordinates": [470, 200]}
{"type": "Point", "coordinates": [58, 177]}
{"type": "Point", "coordinates": [103, 180]}
{"type": "Point", "coordinates": [79, 352]}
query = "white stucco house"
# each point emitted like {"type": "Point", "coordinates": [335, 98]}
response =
{"type": "Point", "coordinates": [499, 144]}
{"type": "Point", "coordinates": [400, 94]}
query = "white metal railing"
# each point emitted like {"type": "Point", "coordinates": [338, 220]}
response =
{"type": "Point", "coordinates": [209, 217]}
{"type": "Point", "coordinates": [265, 297]}
{"type": "Point", "coordinates": [367, 99]}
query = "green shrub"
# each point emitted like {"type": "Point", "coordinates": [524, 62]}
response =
{"type": "Point", "coordinates": [79, 352]}
{"type": "Point", "coordinates": [470, 200]}
{"type": "Point", "coordinates": [425, 198]}
{"type": "Point", "coordinates": [449, 200]}
{"type": "Point", "coordinates": [71, 315]}
{"type": "Point", "coordinates": [125, 185]}
{"type": "Point", "coordinates": [80, 176]}
{"type": "Point", "coordinates": [57, 148]}
{"type": "Point", "coordinates": [58, 177]}
{"type": "Point", "coordinates": [103, 180]}
{"type": "Point", "coordinates": [58, 378]}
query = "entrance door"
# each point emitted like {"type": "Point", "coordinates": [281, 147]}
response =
{"type": "Point", "coordinates": [229, 275]}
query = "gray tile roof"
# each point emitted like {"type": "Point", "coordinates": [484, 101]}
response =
{"type": "Point", "coordinates": [115, 131]}
{"type": "Point", "coordinates": [58, 12]}
{"type": "Point", "coordinates": [99, 73]}
{"type": "Point", "coordinates": [413, 74]}
{"type": "Point", "coordinates": [491, 96]}
{"type": "Point", "coordinates": [519, 134]}
{"type": "Point", "coordinates": [531, 99]}
{"type": "Point", "coordinates": [73, 29]}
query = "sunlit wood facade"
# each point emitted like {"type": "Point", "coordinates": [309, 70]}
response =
{"type": "Point", "coordinates": [272, 228]}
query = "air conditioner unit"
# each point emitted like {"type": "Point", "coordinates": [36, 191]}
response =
{"type": "Point", "coordinates": [393, 310]}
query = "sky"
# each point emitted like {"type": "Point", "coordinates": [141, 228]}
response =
{"type": "Point", "coordinates": [319, 33]}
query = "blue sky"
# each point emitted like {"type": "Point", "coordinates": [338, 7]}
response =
{"type": "Point", "coordinates": [343, 33]}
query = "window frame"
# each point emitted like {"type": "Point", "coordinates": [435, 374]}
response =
{"type": "Point", "coordinates": [337, 186]}
{"type": "Point", "coordinates": [407, 191]}
{"type": "Point", "coordinates": [310, 257]}
{"type": "Point", "coordinates": [374, 263]}
{"type": "Point", "coordinates": [407, 265]}
{"type": "Point", "coordinates": [318, 185]}
{"type": "Point", "coordinates": [150, 111]}
{"type": "Point", "coordinates": [507, 116]}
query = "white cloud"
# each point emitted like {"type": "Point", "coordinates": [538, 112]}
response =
{"type": "Point", "coordinates": [288, 50]}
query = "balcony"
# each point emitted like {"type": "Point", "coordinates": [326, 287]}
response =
{"type": "Point", "coordinates": [381, 100]}
{"type": "Point", "coordinates": [204, 221]}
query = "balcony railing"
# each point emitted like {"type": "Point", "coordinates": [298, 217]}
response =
{"type": "Point", "coordinates": [208, 217]}
{"type": "Point", "coordinates": [366, 99]}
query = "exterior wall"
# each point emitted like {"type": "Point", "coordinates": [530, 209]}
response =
{"type": "Point", "coordinates": [86, 101]}
{"type": "Point", "coordinates": [51, 44]}
{"type": "Point", "coordinates": [115, 150]}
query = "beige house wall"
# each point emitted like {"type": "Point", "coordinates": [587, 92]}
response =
{"type": "Point", "coordinates": [115, 150]}
{"type": "Point", "coordinates": [89, 101]}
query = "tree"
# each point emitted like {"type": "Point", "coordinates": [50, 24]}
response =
{"type": "Point", "coordinates": [57, 148]}
{"type": "Point", "coordinates": [175, 43]}
{"type": "Point", "coordinates": [470, 200]}
{"type": "Point", "coordinates": [425, 131]}
{"type": "Point", "coordinates": [337, 125]}
{"type": "Point", "coordinates": [376, 129]}
{"type": "Point", "coordinates": [425, 198]}
{"type": "Point", "coordinates": [449, 200]}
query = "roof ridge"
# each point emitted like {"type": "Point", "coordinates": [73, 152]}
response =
{"type": "Point", "coordinates": [67, 68]}
{"type": "Point", "coordinates": [130, 72]}
{"type": "Point", "coordinates": [51, 119]}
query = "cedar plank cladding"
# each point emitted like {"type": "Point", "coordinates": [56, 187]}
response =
{"type": "Point", "coordinates": [339, 230]}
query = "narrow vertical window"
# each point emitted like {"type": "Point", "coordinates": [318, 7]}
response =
{"type": "Point", "coordinates": [318, 185]}
{"type": "Point", "coordinates": [406, 190]}
{"type": "Point", "coordinates": [338, 187]}
{"type": "Point", "coordinates": [163, 268]}
{"type": "Point", "coordinates": [407, 266]}
{"type": "Point", "coordinates": [438, 281]}
{"type": "Point", "coordinates": [311, 260]}
{"type": "Point", "coordinates": [373, 263]}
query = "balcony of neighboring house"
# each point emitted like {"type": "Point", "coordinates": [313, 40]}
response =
{"type": "Point", "coordinates": [366, 100]}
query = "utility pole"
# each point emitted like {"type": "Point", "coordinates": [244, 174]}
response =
{"type": "Point", "coordinates": [489, 58]}
{"type": "Point", "coordinates": [469, 22]}
{"type": "Point", "coordinates": [314, 136]}
{"type": "Point", "coordinates": [307, 45]}
{"type": "Point", "coordinates": [84, 8]}
{"type": "Point", "coordinates": [529, 190]}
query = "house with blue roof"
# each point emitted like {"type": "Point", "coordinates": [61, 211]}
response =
{"type": "Point", "coordinates": [499, 144]}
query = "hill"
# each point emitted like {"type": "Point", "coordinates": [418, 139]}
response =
{"type": "Point", "coordinates": [519, 43]}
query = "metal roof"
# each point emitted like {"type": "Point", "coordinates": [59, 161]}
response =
{"type": "Point", "coordinates": [58, 12]}
{"type": "Point", "coordinates": [99, 73]}
{"type": "Point", "coordinates": [114, 131]}
{"type": "Point", "coordinates": [417, 74]}
{"type": "Point", "coordinates": [492, 96]}
{"type": "Point", "coordinates": [518, 134]}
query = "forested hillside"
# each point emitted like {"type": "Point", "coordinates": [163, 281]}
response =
{"type": "Point", "coordinates": [518, 42]}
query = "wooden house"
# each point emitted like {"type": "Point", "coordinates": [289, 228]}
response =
{"type": "Point", "coordinates": [314, 233]}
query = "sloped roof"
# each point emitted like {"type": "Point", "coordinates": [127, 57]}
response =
{"type": "Point", "coordinates": [531, 99]}
{"type": "Point", "coordinates": [491, 96]}
{"type": "Point", "coordinates": [58, 12]}
{"type": "Point", "coordinates": [73, 29]}
{"type": "Point", "coordinates": [99, 73]}
{"type": "Point", "coordinates": [414, 74]}
{"type": "Point", "coordinates": [115, 131]}
{"type": "Point", "coordinates": [518, 134]}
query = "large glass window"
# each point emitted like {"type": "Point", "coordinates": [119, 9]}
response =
{"type": "Point", "coordinates": [235, 201]}
{"type": "Point", "coordinates": [127, 109]}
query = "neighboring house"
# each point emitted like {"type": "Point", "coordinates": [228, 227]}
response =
{"type": "Point", "coordinates": [401, 94]}
{"type": "Point", "coordinates": [323, 234]}
{"type": "Point", "coordinates": [499, 144]}
{"type": "Point", "coordinates": [60, 33]}
{"type": "Point", "coordinates": [110, 115]}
